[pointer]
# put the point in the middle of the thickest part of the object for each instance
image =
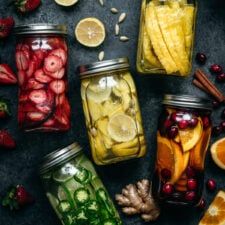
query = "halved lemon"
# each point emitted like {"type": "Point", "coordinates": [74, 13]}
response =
{"type": "Point", "coordinates": [216, 211]}
{"type": "Point", "coordinates": [218, 153]}
{"type": "Point", "coordinates": [122, 128]}
{"type": "Point", "coordinates": [90, 32]}
{"type": "Point", "coordinates": [190, 137]}
{"type": "Point", "coordinates": [66, 2]}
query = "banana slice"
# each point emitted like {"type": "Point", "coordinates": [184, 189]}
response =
{"type": "Point", "coordinates": [122, 128]}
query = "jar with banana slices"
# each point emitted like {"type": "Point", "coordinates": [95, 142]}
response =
{"type": "Point", "coordinates": [112, 112]}
{"type": "Point", "coordinates": [166, 37]}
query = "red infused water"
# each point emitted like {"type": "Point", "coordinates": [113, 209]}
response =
{"type": "Point", "coordinates": [41, 59]}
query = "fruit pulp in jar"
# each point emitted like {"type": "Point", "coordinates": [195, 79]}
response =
{"type": "Point", "coordinates": [113, 118]}
{"type": "Point", "coordinates": [78, 195]}
{"type": "Point", "coordinates": [42, 73]}
{"type": "Point", "coordinates": [182, 141]}
{"type": "Point", "coordinates": [166, 37]}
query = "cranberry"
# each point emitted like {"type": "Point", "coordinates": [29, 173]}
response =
{"type": "Point", "coordinates": [215, 68]}
{"type": "Point", "coordinates": [220, 78]}
{"type": "Point", "coordinates": [167, 189]}
{"type": "Point", "coordinates": [190, 172]}
{"type": "Point", "coordinates": [183, 124]}
{"type": "Point", "coordinates": [201, 58]}
{"type": "Point", "coordinates": [172, 133]}
{"type": "Point", "coordinates": [216, 131]}
{"type": "Point", "coordinates": [211, 184]}
{"type": "Point", "coordinates": [202, 203]}
{"type": "Point", "coordinates": [168, 123]}
{"type": "Point", "coordinates": [222, 125]}
{"type": "Point", "coordinates": [206, 122]}
{"type": "Point", "coordinates": [190, 196]}
{"type": "Point", "coordinates": [215, 104]}
{"type": "Point", "coordinates": [166, 174]}
{"type": "Point", "coordinates": [192, 184]}
{"type": "Point", "coordinates": [193, 122]}
{"type": "Point", "coordinates": [223, 114]}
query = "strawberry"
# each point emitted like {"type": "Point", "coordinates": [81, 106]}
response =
{"type": "Point", "coordinates": [4, 109]}
{"type": "Point", "coordinates": [17, 197]}
{"type": "Point", "coordinates": [22, 60]}
{"type": "Point", "coordinates": [61, 54]}
{"type": "Point", "coordinates": [58, 86]}
{"type": "Point", "coordinates": [27, 107]}
{"type": "Point", "coordinates": [49, 123]}
{"type": "Point", "coordinates": [31, 69]}
{"type": "Point", "coordinates": [36, 116]}
{"type": "Point", "coordinates": [34, 85]}
{"type": "Point", "coordinates": [23, 47]}
{"type": "Point", "coordinates": [61, 116]}
{"type": "Point", "coordinates": [21, 77]}
{"type": "Point", "coordinates": [58, 74]}
{"type": "Point", "coordinates": [40, 53]}
{"type": "Point", "coordinates": [6, 141]}
{"type": "Point", "coordinates": [24, 6]}
{"type": "Point", "coordinates": [53, 63]}
{"type": "Point", "coordinates": [6, 75]}
{"type": "Point", "coordinates": [38, 96]}
{"type": "Point", "coordinates": [41, 76]}
{"type": "Point", "coordinates": [6, 25]}
{"type": "Point", "coordinates": [59, 99]}
{"type": "Point", "coordinates": [23, 97]}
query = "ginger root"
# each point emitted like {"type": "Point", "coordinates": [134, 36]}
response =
{"type": "Point", "coordinates": [137, 199]}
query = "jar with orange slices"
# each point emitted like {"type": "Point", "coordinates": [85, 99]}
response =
{"type": "Point", "coordinates": [183, 136]}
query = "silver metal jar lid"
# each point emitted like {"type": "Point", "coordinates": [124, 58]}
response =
{"type": "Point", "coordinates": [41, 28]}
{"type": "Point", "coordinates": [59, 156]}
{"type": "Point", "coordinates": [103, 66]}
{"type": "Point", "coordinates": [187, 101]}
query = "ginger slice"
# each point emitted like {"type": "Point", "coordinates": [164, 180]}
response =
{"type": "Point", "coordinates": [157, 40]}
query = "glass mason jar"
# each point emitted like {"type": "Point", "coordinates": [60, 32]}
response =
{"type": "Point", "coordinates": [183, 138]}
{"type": "Point", "coordinates": [112, 112]}
{"type": "Point", "coordinates": [41, 60]}
{"type": "Point", "coordinates": [166, 37]}
{"type": "Point", "coordinates": [74, 189]}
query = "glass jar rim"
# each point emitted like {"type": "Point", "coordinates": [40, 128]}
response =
{"type": "Point", "coordinates": [97, 68]}
{"type": "Point", "coordinates": [187, 101]}
{"type": "Point", "coordinates": [59, 156]}
{"type": "Point", "coordinates": [40, 28]}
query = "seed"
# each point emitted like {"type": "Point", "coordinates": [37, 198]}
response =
{"type": "Point", "coordinates": [117, 29]}
{"type": "Point", "coordinates": [101, 55]}
{"type": "Point", "coordinates": [101, 2]}
{"type": "Point", "coordinates": [114, 10]}
{"type": "Point", "coordinates": [122, 17]}
{"type": "Point", "coordinates": [124, 38]}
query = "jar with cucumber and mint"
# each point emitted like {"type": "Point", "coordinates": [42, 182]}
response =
{"type": "Point", "coordinates": [74, 189]}
{"type": "Point", "coordinates": [112, 113]}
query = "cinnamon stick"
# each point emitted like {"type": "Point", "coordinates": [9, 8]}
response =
{"type": "Point", "coordinates": [209, 86]}
{"type": "Point", "coordinates": [199, 85]}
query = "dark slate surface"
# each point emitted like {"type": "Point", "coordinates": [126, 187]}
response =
{"type": "Point", "coordinates": [20, 165]}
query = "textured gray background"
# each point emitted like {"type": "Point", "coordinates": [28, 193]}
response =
{"type": "Point", "coordinates": [20, 165]}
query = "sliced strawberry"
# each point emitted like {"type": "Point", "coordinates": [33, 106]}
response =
{"type": "Point", "coordinates": [38, 96]}
{"type": "Point", "coordinates": [53, 63]}
{"type": "Point", "coordinates": [6, 25]}
{"type": "Point", "coordinates": [22, 47]}
{"type": "Point", "coordinates": [58, 74]}
{"type": "Point", "coordinates": [61, 53]}
{"type": "Point", "coordinates": [58, 86]}
{"type": "Point", "coordinates": [44, 108]}
{"type": "Point", "coordinates": [21, 77]}
{"type": "Point", "coordinates": [61, 117]}
{"type": "Point", "coordinates": [6, 75]}
{"type": "Point", "coordinates": [34, 85]}
{"type": "Point", "coordinates": [23, 97]}
{"type": "Point", "coordinates": [59, 99]}
{"type": "Point", "coordinates": [49, 123]}
{"type": "Point", "coordinates": [56, 42]}
{"type": "Point", "coordinates": [35, 116]}
{"type": "Point", "coordinates": [41, 76]}
{"type": "Point", "coordinates": [40, 53]}
{"type": "Point", "coordinates": [22, 62]}
{"type": "Point", "coordinates": [27, 107]}
{"type": "Point", "coordinates": [32, 68]}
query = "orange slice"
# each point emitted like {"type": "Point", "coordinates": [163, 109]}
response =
{"type": "Point", "coordinates": [190, 137]}
{"type": "Point", "coordinates": [215, 215]}
{"type": "Point", "coordinates": [197, 157]}
{"type": "Point", "coordinates": [218, 153]}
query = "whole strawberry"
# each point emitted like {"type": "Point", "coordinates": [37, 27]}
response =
{"type": "Point", "coordinates": [6, 140]}
{"type": "Point", "coordinates": [24, 6]}
{"type": "Point", "coordinates": [4, 109]}
{"type": "Point", "coordinates": [6, 75]}
{"type": "Point", "coordinates": [6, 25]}
{"type": "Point", "coordinates": [17, 197]}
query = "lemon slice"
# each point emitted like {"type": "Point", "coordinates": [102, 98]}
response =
{"type": "Point", "coordinates": [66, 2]}
{"type": "Point", "coordinates": [218, 153]}
{"type": "Point", "coordinates": [90, 32]}
{"type": "Point", "coordinates": [122, 128]}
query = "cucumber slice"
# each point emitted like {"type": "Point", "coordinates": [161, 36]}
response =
{"type": "Point", "coordinates": [83, 176]}
{"type": "Point", "coordinates": [65, 173]}
{"type": "Point", "coordinates": [64, 206]}
{"type": "Point", "coordinates": [81, 196]}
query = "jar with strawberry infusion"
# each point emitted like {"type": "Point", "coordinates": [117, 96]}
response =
{"type": "Point", "coordinates": [41, 60]}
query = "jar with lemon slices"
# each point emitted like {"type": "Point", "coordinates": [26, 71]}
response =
{"type": "Point", "coordinates": [112, 112]}
{"type": "Point", "coordinates": [183, 136]}
{"type": "Point", "coordinates": [166, 37]}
